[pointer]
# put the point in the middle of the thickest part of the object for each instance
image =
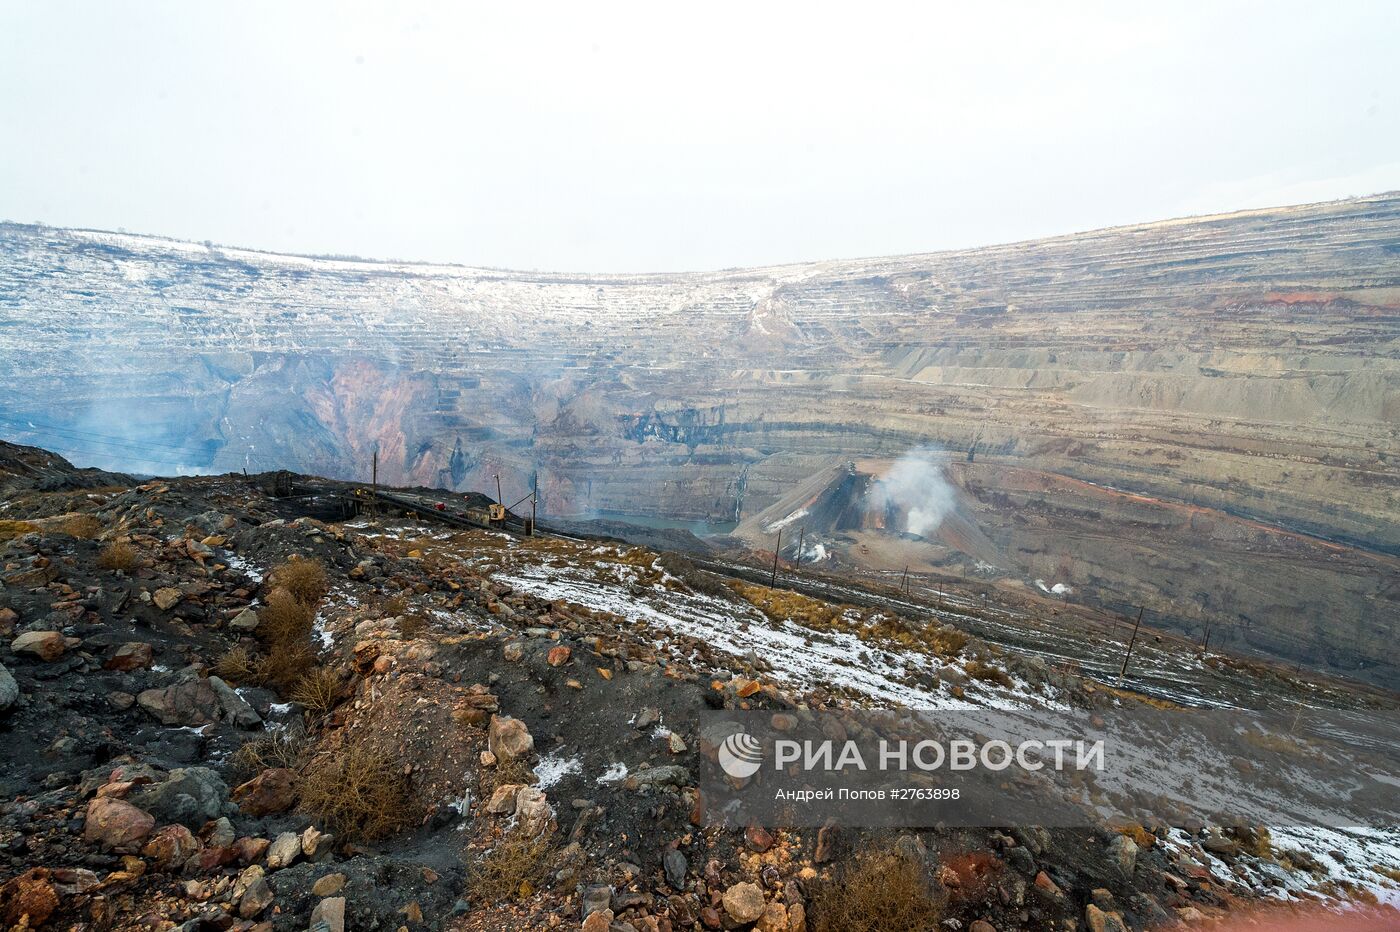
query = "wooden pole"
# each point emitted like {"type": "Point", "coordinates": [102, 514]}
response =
{"type": "Point", "coordinates": [904, 581]}
{"type": "Point", "coordinates": [801, 536]}
{"type": "Point", "coordinates": [1205, 643]}
{"type": "Point", "coordinates": [499, 499]}
{"type": "Point", "coordinates": [534, 499]}
{"type": "Point", "coordinates": [1131, 641]}
{"type": "Point", "coordinates": [374, 485]}
{"type": "Point", "coordinates": [773, 577]}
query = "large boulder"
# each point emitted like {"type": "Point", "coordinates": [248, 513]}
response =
{"type": "Point", "coordinates": [236, 710]}
{"type": "Point", "coordinates": [115, 823]}
{"type": "Point", "coordinates": [190, 796]}
{"type": "Point", "coordinates": [193, 702]}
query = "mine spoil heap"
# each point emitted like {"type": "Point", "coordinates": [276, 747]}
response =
{"type": "Point", "coordinates": [220, 713]}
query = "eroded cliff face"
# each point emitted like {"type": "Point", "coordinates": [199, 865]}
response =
{"type": "Point", "coordinates": [1244, 367]}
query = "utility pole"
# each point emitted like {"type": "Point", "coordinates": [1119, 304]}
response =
{"type": "Point", "coordinates": [801, 536]}
{"type": "Point", "coordinates": [1129, 653]}
{"type": "Point", "coordinates": [374, 485]}
{"type": "Point", "coordinates": [499, 499]}
{"type": "Point", "coordinates": [1205, 642]}
{"type": "Point", "coordinates": [773, 577]}
{"type": "Point", "coordinates": [534, 500]}
{"type": "Point", "coordinates": [904, 581]}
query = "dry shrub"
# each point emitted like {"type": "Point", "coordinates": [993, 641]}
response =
{"type": "Point", "coordinates": [83, 527]}
{"type": "Point", "coordinates": [285, 619]}
{"type": "Point", "coordinates": [237, 665]}
{"type": "Point", "coordinates": [316, 690]}
{"type": "Point", "coordinates": [285, 664]}
{"type": "Point", "coordinates": [513, 869]}
{"type": "Point", "coordinates": [304, 578]}
{"type": "Point", "coordinates": [117, 556]}
{"type": "Point", "coordinates": [877, 891]}
{"type": "Point", "coordinates": [359, 792]}
{"type": "Point", "coordinates": [288, 749]}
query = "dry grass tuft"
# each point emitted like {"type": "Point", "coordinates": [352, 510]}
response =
{"type": "Point", "coordinates": [317, 689]}
{"type": "Point", "coordinates": [83, 527]}
{"type": "Point", "coordinates": [948, 642]}
{"type": "Point", "coordinates": [988, 673]}
{"type": "Point", "coordinates": [117, 556]}
{"type": "Point", "coordinates": [359, 792]}
{"type": "Point", "coordinates": [304, 578]}
{"type": "Point", "coordinates": [513, 869]}
{"type": "Point", "coordinates": [236, 665]}
{"type": "Point", "coordinates": [876, 892]}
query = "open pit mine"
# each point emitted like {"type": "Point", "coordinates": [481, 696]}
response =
{"type": "Point", "coordinates": [1198, 418]}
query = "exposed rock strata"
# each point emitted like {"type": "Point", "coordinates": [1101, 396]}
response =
{"type": "Point", "coordinates": [1246, 364]}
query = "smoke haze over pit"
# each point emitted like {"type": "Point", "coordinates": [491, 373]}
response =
{"type": "Point", "coordinates": [916, 486]}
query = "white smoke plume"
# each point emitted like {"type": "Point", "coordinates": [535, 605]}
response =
{"type": "Point", "coordinates": [917, 487]}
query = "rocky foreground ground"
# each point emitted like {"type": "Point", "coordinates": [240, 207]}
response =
{"type": "Point", "coordinates": [222, 712]}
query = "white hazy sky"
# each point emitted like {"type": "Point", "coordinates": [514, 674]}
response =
{"type": "Point", "coordinates": [666, 136]}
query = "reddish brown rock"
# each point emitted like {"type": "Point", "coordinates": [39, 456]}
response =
{"type": "Point", "coordinates": [114, 823]}
{"type": "Point", "coordinates": [247, 850]}
{"type": "Point", "coordinates": [1045, 885]}
{"type": "Point", "coordinates": [599, 921]}
{"type": "Point", "coordinates": [759, 838]}
{"type": "Point", "coordinates": [48, 646]}
{"type": "Point", "coordinates": [28, 900]}
{"type": "Point", "coordinates": [272, 791]}
{"type": "Point", "coordinates": [133, 655]}
{"type": "Point", "coordinates": [171, 847]}
{"type": "Point", "coordinates": [558, 656]}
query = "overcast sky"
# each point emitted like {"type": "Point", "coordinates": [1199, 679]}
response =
{"type": "Point", "coordinates": [597, 136]}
